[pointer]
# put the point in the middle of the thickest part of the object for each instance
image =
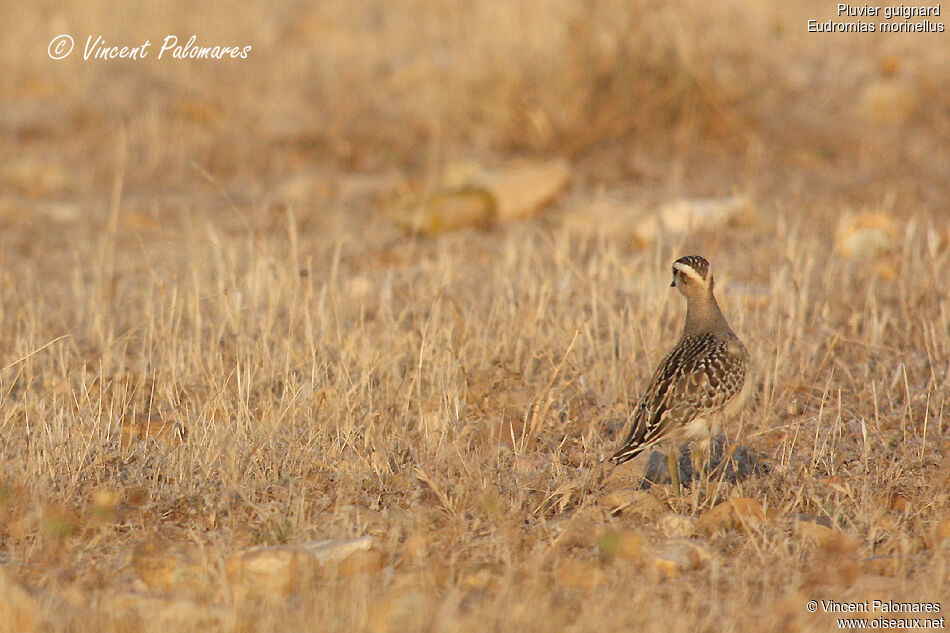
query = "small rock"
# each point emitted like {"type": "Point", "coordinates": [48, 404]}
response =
{"type": "Point", "coordinates": [452, 210]}
{"type": "Point", "coordinates": [681, 555]}
{"type": "Point", "coordinates": [625, 544]}
{"type": "Point", "coordinates": [471, 196]}
{"type": "Point", "coordinates": [282, 569]}
{"type": "Point", "coordinates": [794, 407]}
{"type": "Point", "coordinates": [814, 531]}
{"type": "Point", "coordinates": [866, 235]}
{"type": "Point", "coordinates": [104, 504]}
{"type": "Point", "coordinates": [829, 539]}
{"type": "Point", "coordinates": [673, 525]}
{"type": "Point", "coordinates": [633, 502]}
{"type": "Point", "coordinates": [740, 513]}
{"type": "Point", "coordinates": [171, 567]}
{"type": "Point", "coordinates": [521, 190]}
{"type": "Point", "coordinates": [680, 216]}
{"type": "Point", "coordinates": [268, 571]}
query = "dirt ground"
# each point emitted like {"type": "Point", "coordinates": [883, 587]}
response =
{"type": "Point", "coordinates": [337, 336]}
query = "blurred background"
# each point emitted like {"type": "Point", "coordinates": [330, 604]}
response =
{"type": "Point", "coordinates": [366, 103]}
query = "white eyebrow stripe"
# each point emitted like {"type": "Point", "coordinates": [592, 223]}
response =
{"type": "Point", "coordinates": [686, 270]}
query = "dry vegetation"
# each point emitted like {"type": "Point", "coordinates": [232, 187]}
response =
{"type": "Point", "coordinates": [214, 336]}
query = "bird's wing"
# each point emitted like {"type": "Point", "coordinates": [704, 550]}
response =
{"type": "Point", "coordinates": [697, 378]}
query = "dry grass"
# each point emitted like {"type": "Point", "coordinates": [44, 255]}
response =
{"type": "Point", "coordinates": [200, 351]}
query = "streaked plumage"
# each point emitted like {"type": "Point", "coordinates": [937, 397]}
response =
{"type": "Point", "coordinates": [703, 379]}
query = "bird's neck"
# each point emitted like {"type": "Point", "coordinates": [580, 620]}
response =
{"type": "Point", "coordinates": [703, 315]}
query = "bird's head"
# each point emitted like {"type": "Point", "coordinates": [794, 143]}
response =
{"type": "Point", "coordinates": [691, 274]}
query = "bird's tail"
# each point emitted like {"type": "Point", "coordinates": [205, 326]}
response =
{"type": "Point", "coordinates": [627, 452]}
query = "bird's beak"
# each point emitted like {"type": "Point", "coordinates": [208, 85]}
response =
{"type": "Point", "coordinates": [673, 285]}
